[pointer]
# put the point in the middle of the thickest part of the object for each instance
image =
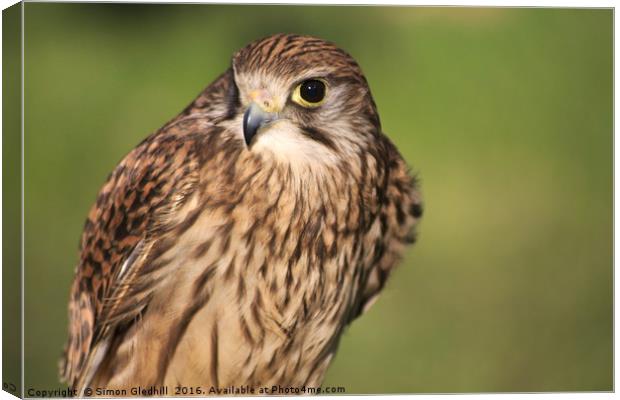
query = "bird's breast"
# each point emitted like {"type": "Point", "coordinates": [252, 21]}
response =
{"type": "Point", "coordinates": [269, 276]}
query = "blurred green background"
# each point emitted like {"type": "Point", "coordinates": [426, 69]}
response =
{"type": "Point", "coordinates": [506, 114]}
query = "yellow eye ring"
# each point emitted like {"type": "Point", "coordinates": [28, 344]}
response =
{"type": "Point", "coordinates": [310, 93]}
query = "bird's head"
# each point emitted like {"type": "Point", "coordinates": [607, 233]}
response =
{"type": "Point", "coordinates": [302, 98]}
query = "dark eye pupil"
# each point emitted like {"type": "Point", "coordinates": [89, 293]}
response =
{"type": "Point", "coordinates": [312, 91]}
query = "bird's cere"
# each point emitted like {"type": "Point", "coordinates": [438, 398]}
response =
{"type": "Point", "coordinates": [254, 118]}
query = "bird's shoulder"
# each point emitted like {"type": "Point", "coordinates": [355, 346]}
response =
{"type": "Point", "coordinates": [156, 175]}
{"type": "Point", "coordinates": [400, 212]}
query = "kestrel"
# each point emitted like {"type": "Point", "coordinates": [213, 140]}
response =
{"type": "Point", "coordinates": [234, 245]}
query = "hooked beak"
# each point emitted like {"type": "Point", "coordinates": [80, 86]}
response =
{"type": "Point", "coordinates": [253, 119]}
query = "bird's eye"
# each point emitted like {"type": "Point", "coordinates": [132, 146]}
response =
{"type": "Point", "coordinates": [310, 93]}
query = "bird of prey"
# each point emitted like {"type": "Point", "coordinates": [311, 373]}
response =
{"type": "Point", "coordinates": [234, 245]}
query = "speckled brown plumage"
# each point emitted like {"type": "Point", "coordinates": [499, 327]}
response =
{"type": "Point", "coordinates": [207, 260]}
